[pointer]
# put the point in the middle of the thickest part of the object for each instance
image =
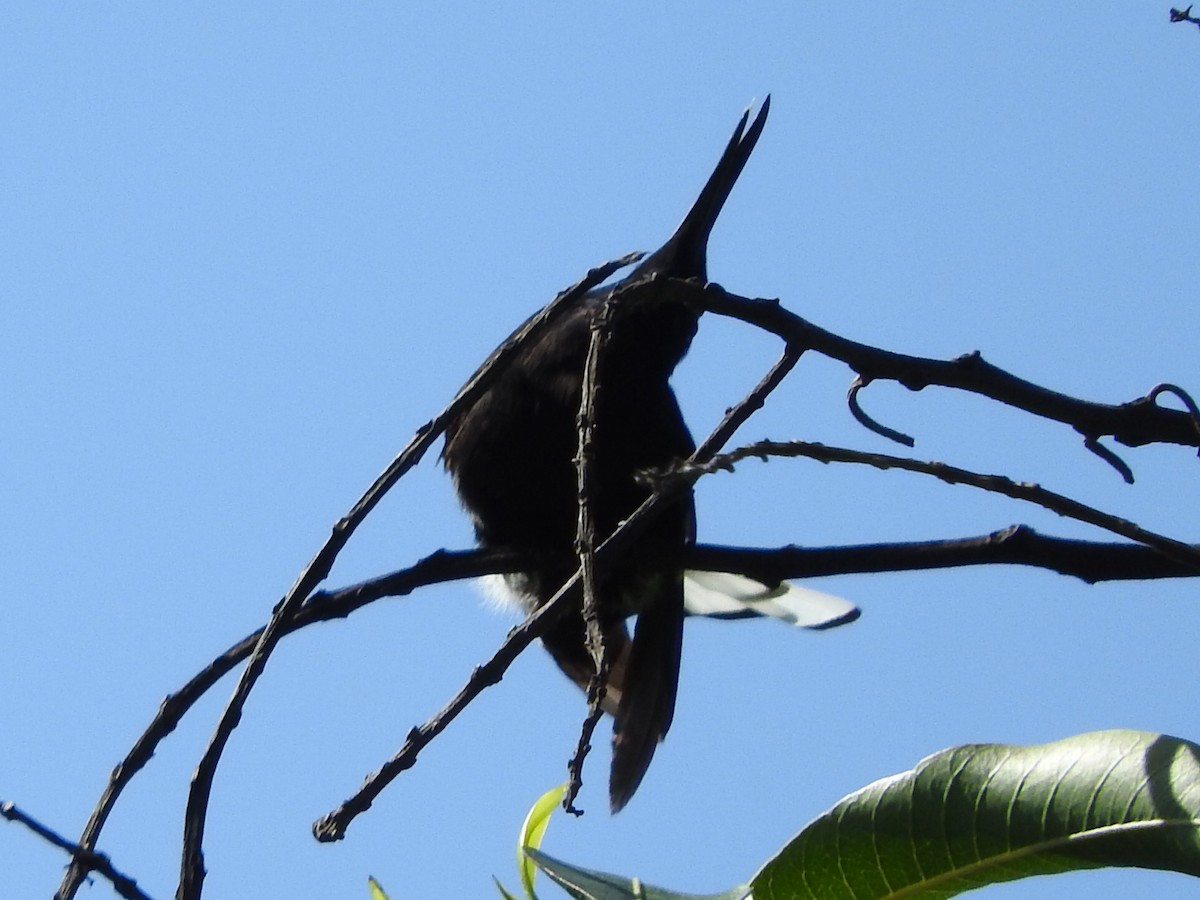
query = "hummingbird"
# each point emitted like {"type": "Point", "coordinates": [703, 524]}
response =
{"type": "Point", "coordinates": [512, 459]}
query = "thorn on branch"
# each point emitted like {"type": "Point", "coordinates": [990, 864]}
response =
{"type": "Point", "coordinates": [870, 424]}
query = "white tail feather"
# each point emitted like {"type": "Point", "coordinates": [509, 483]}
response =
{"type": "Point", "coordinates": [724, 595]}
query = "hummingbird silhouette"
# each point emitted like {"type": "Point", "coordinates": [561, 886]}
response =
{"type": "Point", "coordinates": [512, 458]}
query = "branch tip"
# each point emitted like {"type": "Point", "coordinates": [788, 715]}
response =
{"type": "Point", "coordinates": [1110, 457]}
{"type": "Point", "coordinates": [867, 422]}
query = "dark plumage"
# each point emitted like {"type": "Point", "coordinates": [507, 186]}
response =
{"type": "Point", "coordinates": [512, 457]}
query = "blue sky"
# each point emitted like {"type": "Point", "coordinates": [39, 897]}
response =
{"type": "Point", "coordinates": [247, 252]}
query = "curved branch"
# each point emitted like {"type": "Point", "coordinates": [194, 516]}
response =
{"type": "Point", "coordinates": [870, 424]}
{"type": "Point", "coordinates": [1121, 467]}
{"type": "Point", "coordinates": [1183, 396]}
{"type": "Point", "coordinates": [1135, 423]}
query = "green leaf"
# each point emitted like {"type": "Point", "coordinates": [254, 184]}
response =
{"type": "Point", "coordinates": [585, 884]}
{"type": "Point", "coordinates": [987, 813]}
{"type": "Point", "coordinates": [376, 891]}
{"type": "Point", "coordinates": [532, 833]}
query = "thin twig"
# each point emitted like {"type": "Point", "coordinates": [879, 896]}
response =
{"type": "Point", "coordinates": [1178, 551]}
{"type": "Point", "coordinates": [1184, 397]}
{"type": "Point", "coordinates": [322, 606]}
{"type": "Point", "coordinates": [332, 826]}
{"type": "Point", "coordinates": [95, 862]}
{"type": "Point", "coordinates": [870, 424]}
{"type": "Point", "coordinates": [1111, 458]}
{"type": "Point", "coordinates": [735, 417]}
{"type": "Point", "coordinates": [585, 546]}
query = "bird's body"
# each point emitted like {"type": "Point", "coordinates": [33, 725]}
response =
{"type": "Point", "coordinates": [513, 460]}
{"type": "Point", "coordinates": [512, 455]}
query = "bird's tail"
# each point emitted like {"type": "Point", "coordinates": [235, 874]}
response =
{"type": "Point", "coordinates": [643, 678]}
{"type": "Point", "coordinates": [646, 686]}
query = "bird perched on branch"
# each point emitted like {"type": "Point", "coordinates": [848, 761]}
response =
{"type": "Point", "coordinates": [512, 457]}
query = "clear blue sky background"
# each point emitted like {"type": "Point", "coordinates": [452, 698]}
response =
{"type": "Point", "coordinates": [247, 251]}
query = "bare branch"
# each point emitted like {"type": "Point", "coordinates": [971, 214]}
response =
{"type": "Point", "coordinates": [1089, 561]}
{"type": "Point", "coordinates": [585, 546]}
{"type": "Point", "coordinates": [332, 826]}
{"type": "Point", "coordinates": [322, 606]}
{"type": "Point", "coordinates": [750, 404]}
{"type": "Point", "coordinates": [1183, 396]}
{"type": "Point", "coordinates": [870, 424]}
{"type": "Point", "coordinates": [1111, 458]}
{"type": "Point", "coordinates": [90, 859]}
{"type": "Point", "coordinates": [1184, 15]}
{"type": "Point", "coordinates": [1179, 552]}
{"type": "Point", "coordinates": [1134, 424]}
